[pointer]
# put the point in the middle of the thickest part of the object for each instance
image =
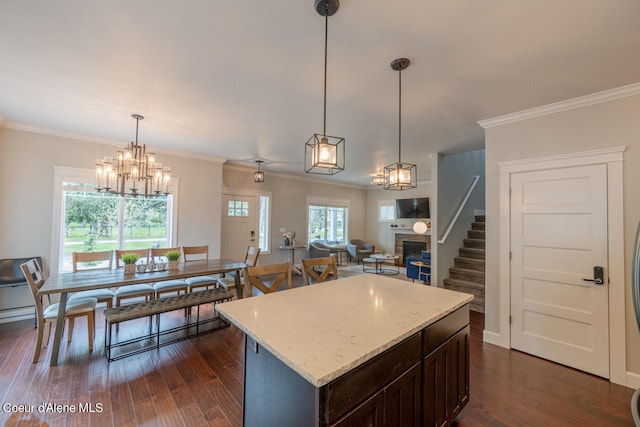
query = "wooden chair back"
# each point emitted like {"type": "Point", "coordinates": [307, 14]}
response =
{"type": "Point", "coordinates": [267, 278]}
{"type": "Point", "coordinates": [252, 255]}
{"type": "Point", "coordinates": [143, 254]}
{"type": "Point", "coordinates": [34, 277]}
{"type": "Point", "coordinates": [161, 252]}
{"type": "Point", "coordinates": [193, 253]}
{"type": "Point", "coordinates": [104, 258]}
{"type": "Point", "coordinates": [317, 270]}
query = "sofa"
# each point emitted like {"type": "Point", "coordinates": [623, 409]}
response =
{"type": "Point", "coordinates": [359, 249]}
{"type": "Point", "coordinates": [413, 271]}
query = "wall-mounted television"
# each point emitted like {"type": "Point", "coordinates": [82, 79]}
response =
{"type": "Point", "coordinates": [413, 208]}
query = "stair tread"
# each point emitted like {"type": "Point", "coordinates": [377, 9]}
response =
{"type": "Point", "coordinates": [466, 270]}
{"type": "Point", "coordinates": [469, 260]}
{"type": "Point", "coordinates": [464, 283]}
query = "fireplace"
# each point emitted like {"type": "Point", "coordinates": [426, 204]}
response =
{"type": "Point", "coordinates": [410, 248]}
{"type": "Point", "coordinates": [401, 239]}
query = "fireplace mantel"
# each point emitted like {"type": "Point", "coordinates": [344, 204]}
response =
{"type": "Point", "coordinates": [407, 230]}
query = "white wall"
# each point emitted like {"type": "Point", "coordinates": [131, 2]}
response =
{"type": "Point", "coordinates": [608, 124]}
{"type": "Point", "coordinates": [455, 176]}
{"type": "Point", "coordinates": [26, 196]}
{"type": "Point", "coordinates": [381, 234]}
{"type": "Point", "coordinates": [289, 204]}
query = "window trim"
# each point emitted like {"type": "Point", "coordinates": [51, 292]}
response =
{"type": "Point", "coordinates": [67, 173]}
{"type": "Point", "coordinates": [391, 203]}
{"type": "Point", "coordinates": [328, 202]}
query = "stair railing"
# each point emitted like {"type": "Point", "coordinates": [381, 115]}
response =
{"type": "Point", "coordinates": [460, 208]}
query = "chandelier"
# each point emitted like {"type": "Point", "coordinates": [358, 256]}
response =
{"type": "Point", "coordinates": [400, 176]}
{"type": "Point", "coordinates": [133, 172]}
{"type": "Point", "coordinates": [324, 154]}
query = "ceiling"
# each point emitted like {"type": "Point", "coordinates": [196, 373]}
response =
{"type": "Point", "coordinates": [243, 80]}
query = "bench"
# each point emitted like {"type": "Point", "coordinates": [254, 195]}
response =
{"type": "Point", "coordinates": [116, 315]}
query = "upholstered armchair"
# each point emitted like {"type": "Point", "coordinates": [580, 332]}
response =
{"type": "Point", "coordinates": [319, 250]}
{"type": "Point", "coordinates": [359, 249]}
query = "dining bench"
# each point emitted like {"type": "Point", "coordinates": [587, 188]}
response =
{"type": "Point", "coordinates": [162, 337]}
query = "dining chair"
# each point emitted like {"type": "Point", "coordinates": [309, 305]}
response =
{"type": "Point", "coordinates": [101, 260]}
{"type": "Point", "coordinates": [250, 258]}
{"type": "Point", "coordinates": [172, 286]}
{"type": "Point", "coordinates": [317, 270]}
{"type": "Point", "coordinates": [142, 290]}
{"type": "Point", "coordinates": [196, 283]}
{"type": "Point", "coordinates": [45, 315]}
{"type": "Point", "coordinates": [267, 278]}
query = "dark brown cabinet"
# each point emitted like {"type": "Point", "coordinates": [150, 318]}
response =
{"type": "Point", "coordinates": [398, 404]}
{"type": "Point", "coordinates": [446, 380]}
{"type": "Point", "coordinates": [421, 381]}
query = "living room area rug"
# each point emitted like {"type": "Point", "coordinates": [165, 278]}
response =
{"type": "Point", "coordinates": [356, 269]}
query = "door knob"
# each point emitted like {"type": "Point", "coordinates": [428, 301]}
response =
{"type": "Point", "coordinates": [598, 276]}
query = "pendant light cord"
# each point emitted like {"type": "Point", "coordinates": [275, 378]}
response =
{"type": "Point", "coordinates": [399, 114]}
{"type": "Point", "coordinates": [326, 32]}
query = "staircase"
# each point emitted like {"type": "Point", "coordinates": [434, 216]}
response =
{"type": "Point", "coordinates": [467, 273]}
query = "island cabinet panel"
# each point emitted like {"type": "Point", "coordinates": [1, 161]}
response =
{"type": "Point", "coordinates": [398, 404]}
{"type": "Point", "coordinates": [349, 390]}
{"type": "Point", "coordinates": [275, 395]}
{"type": "Point", "coordinates": [446, 380]}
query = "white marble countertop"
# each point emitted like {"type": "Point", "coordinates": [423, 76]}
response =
{"type": "Point", "coordinates": [324, 330]}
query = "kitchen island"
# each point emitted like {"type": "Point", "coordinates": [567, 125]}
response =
{"type": "Point", "coordinates": [367, 349]}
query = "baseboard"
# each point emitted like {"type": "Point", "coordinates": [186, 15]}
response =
{"type": "Point", "coordinates": [493, 338]}
{"type": "Point", "coordinates": [633, 380]}
{"type": "Point", "coordinates": [16, 314]}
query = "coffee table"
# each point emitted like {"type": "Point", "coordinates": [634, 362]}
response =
{"type": "Point", "coordinates": [378, 261]}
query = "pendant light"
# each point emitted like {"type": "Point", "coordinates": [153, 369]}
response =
{"type": "Point", "coordinates": [400, 176]}
{"type": "Point", "coordinates": [324, 154]}
{"type": "Point", "coordinates": [258, 176]}
{"type": "Point", "coordinates": [378, 179]}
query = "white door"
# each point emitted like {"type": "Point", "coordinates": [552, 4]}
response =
{"type": "Point", "coordinates": [239, 226]}
{"type": "Point", "coordinates": [558, 235]}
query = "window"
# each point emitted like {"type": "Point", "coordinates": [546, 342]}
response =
{"type": "Point", "coordinates": [327, 221]}
{"type": "Point", "coordinates": [92, 221]}
{"type": "Point", "coordinates": [237, 208]}
{"type": "Point", "coordinates": [386, 210]}
{"type": "Point", "coordinates": [264, 224]}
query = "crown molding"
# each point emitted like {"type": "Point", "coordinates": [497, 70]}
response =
{"type": "Point", "coordinates": [241, 168]}
{"type": "Point", "coordinates": [24, 127]}
{"type": "Point", "coordinates": [569, 104]}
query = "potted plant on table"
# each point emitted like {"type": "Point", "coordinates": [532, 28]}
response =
{"type": "Point", "coordinates": [173, 257]}
{"type": "Point", "coordinates": [129, 260]}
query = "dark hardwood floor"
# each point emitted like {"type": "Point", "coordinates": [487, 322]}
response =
{"type": "Point", "coordinates": [198, 382]}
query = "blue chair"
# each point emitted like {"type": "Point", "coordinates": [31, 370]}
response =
{"type": "Point", "coordinates": [419, 273]}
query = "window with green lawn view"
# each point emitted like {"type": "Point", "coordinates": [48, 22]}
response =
{"type": "Point", "coordinates": [95, 221]}
{"type": "Point", "coordinates": [327, 222]}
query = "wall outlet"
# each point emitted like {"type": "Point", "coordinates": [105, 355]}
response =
{"type": "Point", "coordinates": [282, 230]}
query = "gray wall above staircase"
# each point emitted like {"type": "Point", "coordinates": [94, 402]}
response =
{"type": "Point", "coordinates": [455, 176]}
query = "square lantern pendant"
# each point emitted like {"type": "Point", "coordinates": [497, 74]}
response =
{"type": "Point", "coordinates": [400, 176]}
{"type": "Point", "coordinates": [324, 154]}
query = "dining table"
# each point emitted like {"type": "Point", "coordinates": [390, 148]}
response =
{"type": "Point", "coordinates": [65, 283]}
